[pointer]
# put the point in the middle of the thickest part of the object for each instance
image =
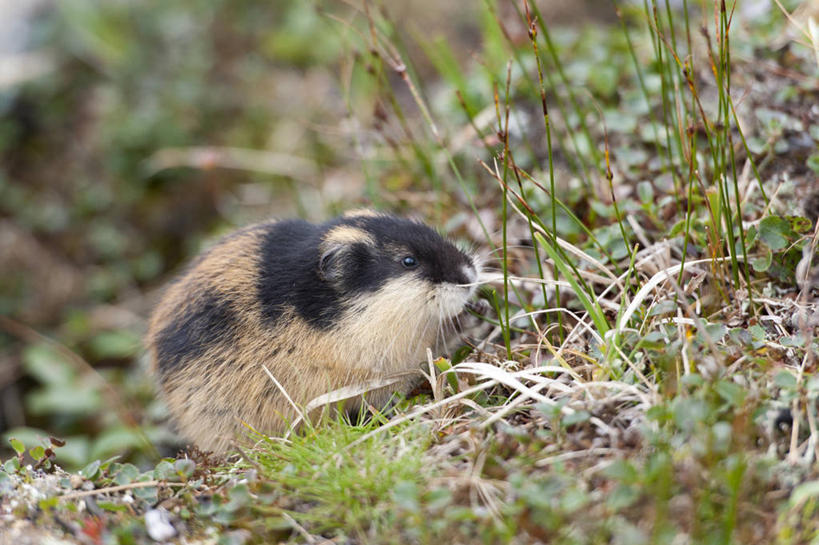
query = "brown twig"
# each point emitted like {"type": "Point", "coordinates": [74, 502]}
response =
{"type": "Point", "coordinates": [118, 488]}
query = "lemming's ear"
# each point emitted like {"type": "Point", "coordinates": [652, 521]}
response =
{"type": "Point", "coordinates": [337, 249]}
{"type": "Point", "coordinates": [331, 261]}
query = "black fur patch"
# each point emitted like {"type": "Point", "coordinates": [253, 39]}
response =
{"type": "Point", "coordinates": [289, 277]}
{"type": "Point", "coordinates": [289, 274]}
{"type": "Point", "coordinates": [207, 321]}
{"type": "Point", "coordinates": [440, 261]}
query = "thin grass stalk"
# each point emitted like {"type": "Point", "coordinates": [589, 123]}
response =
{"type": "Point", "coordinates": [656, 34]}
{"type": "Point", "coordinates": [610, 180]}
{"type": "Point", "coordinates": [455, 169]}
{"type": "Point", "coordinates": [576, 157]}
{"type": "Point", "coordinates": [670, 93]}
{"type": "Point", "coordinates": [516, 55]}
{"type": "Point", "coordinates": [641, 82]}
{"type": "Point", "coordinates": [748, 152]}
{"type": "Point", "coordinates": [581, 112]}
{"type": "Point", "coordinates": [589, 303]}
{"type": "Point", "coordinates": [546, 121]}
{"type": "Point", "coordinates": [396, 63]}
{"type": "Point", "coordinates": [589, 233]}
{"type": "Point", "coordinates": [727, 111]}
{"type": "Point", "coordinates": [670, 17]}
{"type": "Point", "coordinates": [681, 115]}
{"type": "Point", "coordinates": [723, 76]}
{"type": "Point", "coordinates": [692, 168]}
{"type": "Point", "coordinates": [530, 223]}
{"type": "Point", "coordinates": [503, 129]}
{"type": "Point", "coordinates": [715, 209]}
{"type": "Point", "coordinates": [544, 230]}
{"type": "Point", "coordinates": [735, 478]}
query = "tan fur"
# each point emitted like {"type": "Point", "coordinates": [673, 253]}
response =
{"type": "Point", "coordinates": [211, 396]}
{"type": "Point", "coordinates": [362, 213]}
{"type": "Point", "coordinates": [346, 234]}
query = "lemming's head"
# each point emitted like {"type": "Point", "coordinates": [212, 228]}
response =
{"type": "Point", "coordinates": [368, 253]}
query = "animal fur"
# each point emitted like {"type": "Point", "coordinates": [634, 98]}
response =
{"type": "Point", "coordinates": [321, 306]}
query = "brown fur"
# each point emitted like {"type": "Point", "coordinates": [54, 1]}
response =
{"type": "Point", "coordinates": [216, 393]}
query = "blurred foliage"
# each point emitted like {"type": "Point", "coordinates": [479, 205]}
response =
{"type": "Point", "coordinates": [152, 128]}
{"type": "Point", "coordinates": [93, 217]}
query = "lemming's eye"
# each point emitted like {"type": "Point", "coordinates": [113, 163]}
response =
{"type": "Point", "coordinates": [409, 262]}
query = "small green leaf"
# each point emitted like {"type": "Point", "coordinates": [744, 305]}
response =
{"type": "Point", "coordinates": [730, 392]}
{"type": "Point", "coordinates": [126, 474]}
{"type": "Point", "coordinates": [622, 496]}
{"type": "Point", "coordinates": [763, 262]}
{"type": "Point", "coordinates": [774, 231]}
{"type": "Point", "coordinates": [803, 492]}
{"type": "Point", "coordinates": [146, 493]}
{"type": "Point", "coordinates": [443, 366]}
{"type": "Point", "coordinates": [716, 331]}
{"type": "Point", "coordinates": [111, 506]}
{"type": "Point", "coordinates": [800, 224]}
{"type": "Point", "coordinates": [90, 471]}
{"type": "Point", "coordinates": [184, 468]}
{"type": "Point", "coordinates": [37, 452]}
{"type": "Point", "coordinates": [757, 332]}
{"type": "Point", "coordinates": [786, 380]}
{"type": "Point", "coordinates": [108, 462]}
{"type": "Point", "coordinates": [750, 235]}
{"type": "Point", "coordinates": [17, 445]}
{"type": "Point", "coordinates": [239, 497]}
{"type": "Point", "coordinates": [688, 412]}
{"type": "Point", "coordinates": [653, 341]}
{"type": "Point", "coordinates": [646, 192]}
{"type": "Point", "coordinates": [48, 503]}
{"type": "Point", "coordinates": [663, 307]}
{"type": "Point", "coordinates": [576, 417]}
{"type": "Point", "coordinates": [115, 344]}
{"type": "Point", "coordinates": [813, 163]}
{"type": "Point", "coordinates": [406, 495]}
{"type": "Point", "coordinates": [792, 341]}
{"type": "Point", "coordinates": [12, 465]}
{"type": "Point", "coordinates": [164, 471]}
{"type": "Point", "coordinates": [694, 380]}
{"type": "Point", "coordinates": [677, 228]}
{"type": "Point", "coordinates": [47, 365]}
{"type": "Point", "coordinates": [623, 471]}
{"type": "Point", "coordinates": [658, 413]}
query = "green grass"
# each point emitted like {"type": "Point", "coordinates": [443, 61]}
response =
{"type": "Point", "coordinates": [332, 487]}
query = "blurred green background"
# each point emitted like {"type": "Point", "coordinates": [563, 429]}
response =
{"type": "Point", "coordinates": [132, 132]}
